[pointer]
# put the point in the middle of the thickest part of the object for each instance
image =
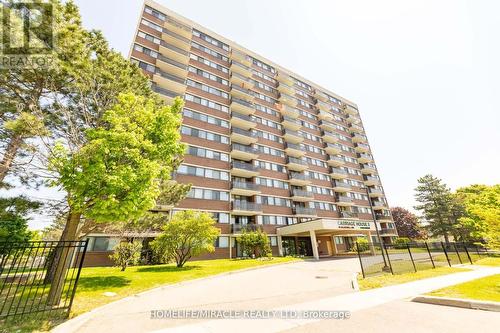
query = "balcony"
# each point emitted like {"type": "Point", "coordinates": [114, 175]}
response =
{"type": "Point", "coordinates": [172, 66]}
{"type": "Point", "coordinates": [239, 80]}
{"type": "Point", "coordinates": [170, 82]}
{"type": "Point", "coordinates": [304, 212]}
{"type": "Point", "coordinates": [376, 193]}
{"type": "Point", "coordinates": [176, 40]}
{"type": "Point", "coordinates": [383, 217]}
{"type": "Point", "coordinates": [242, 169]}
{"type": "Point", "coordinates": [371, 181]}
{"type": "Point", "coordinates": [333, 148]}
{"type": "Point", "coordinates": [287, 99]}
{"type": "Point", "coordinates": [341, 186]}
{"type": "Point", "coordinates": [299, 179]}
{"type": "Point", "coordinates": [330, 137]}
{"type": "Point", "coordinates": [321, 96]}
{"type": "Point", "coordinates": [294, 150]}
{"type": "Point", "coordinates": [388, 232]}
{"type": "Point", "coordinates": [351, 111]}
{"type": "Point", "coordinates": [289, 111]}
{"type": "Point", "coordinates": [285, 78]}
{"type": "Point", "coordinates": [327, 126]}
{"type": "Point", "coordinates": [238, 228]}
{"type": "Point", "coordinates": [242, 121]}
{"type": "Point", "coordinates": [244, 188]}
{"type": "Point", "coordinates": [348, 215]}
{"type": "Point", "coordinates": [174, 53]}
{"type": "Point", "coordinates": [343, 200]}
{"type": "Point", "coordinates": [290, 123]}
{"type": "Point", "coordinates": [296, 164]}
{"type": "Point", "coordinates": [242, 106]}
{"type": "Point", "coordinates": [357, 138]}
{"type": "Point", "coordinates": [323, 106]}
{"type": "Point", "coordinates": [353, 119]}
{"type": "Point", "coordinates": [241, 57]}
{"type": "Point", "coordinates": [242, 152]}
{"type": "Point", "coordinates": [368, 169]}
{"type": "Point", "coordinates": [286, 89]}
{"type": "Point", "coordinates": [165, 94]}
{"type": "Point", "coordinates": [178, 27]}
{"type": "Point", "coordinates": [301, 195]}
{"type": "Point", "coordinates": [362, 148]}
{"type": "Point", "coordinates": [365, 158]}
{"type": "Point", "coordinates": [241, 69]}
{"type": "Point", "coordinates": [243, 137]}
{"type": "Point", "coordinates": [378, 204]}
{"type": "Point", "coordinates": [246, 208]}
{"type": "Point", "coordinates": [356, 129]}
{"type": "Point", "coordinates": [292, 136]}
{"type": "Point", "coordinates": [335, 161]}
{"type": "Point", "coordinates": [323, 115]}
{"type": "Point", "coordinates": [241, 93]}
{"type": "Point", "coordinates": [337, 173]}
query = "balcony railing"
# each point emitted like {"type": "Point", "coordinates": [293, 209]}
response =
{"type": "Point", "coordinates": [247, 206]}
{"type": "Point", "coordinates": [174, 48]}
{"type": "Point", "coordinates": [388, 231]}
{"type": "Point", "coordinates": [376, 191]}
{"type": "Point", "coordinates": [296, 161]}
{"type": "Point", "coordinates": [339, 171]}
{"type": "Point", "coordinates": [304, 211]}
{"type": "Point", "coordinates": [236, 228]}
{"type": "Point", "coordinates": [172, 62]}
{"type": "Point", "coordinates": [240, 131]}
{"type": "Point", "coordinates": [245, 186]}
{"type": "Point", "coordinates": [242, 102]}
{"type": "Point", "coordinates": [344, 199]}
{"type": "Point", "coordinates": [163, 91]}
{"type": "Point", "coordinates": [382, 217]}
{"type": "Point", "coordinates": [351, 215]}
{"type": "Point", "coordinates": [341, 183]}
{"type": "Point", "coordinates": [302, 193]}
{"type": "Point", "coordinates": [170, 76]}
{"type": "Point", "coordinates": [244, 166]}
{"type": "Point", "coordinates": [242, 116]}
{"type": "Point", "coordinates": [299, 176]}
{"type": "Point", "coordinates": [293, 146]}
{"type": "Point", "coordinates": [246, 149]}
{"type": "Point", "coordinates": [378, 203]}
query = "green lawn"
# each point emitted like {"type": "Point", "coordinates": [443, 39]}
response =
{"type": "Point", "coordinates": [389, 279]}
{"type": "Point", "coordinates": [484, 289]}
{"type": "Point", "coordinates": [95, 281]}
{"type": "Point", "coordinates": [490, 261]}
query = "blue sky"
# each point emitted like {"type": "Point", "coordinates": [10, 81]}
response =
{"type": "Point", "coordinates": [425, 74]}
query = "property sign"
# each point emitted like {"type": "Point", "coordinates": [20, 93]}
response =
{"type": "Point", "coordinates": [352, 224]}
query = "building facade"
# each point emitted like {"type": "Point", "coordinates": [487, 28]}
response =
{"type": "Point", "coordinates": [267, 148]}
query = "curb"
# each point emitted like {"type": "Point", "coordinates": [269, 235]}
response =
{"type": "Point", "coordinates": [80, 320]}
{"type": "Point", "coordinates": [459, 303]}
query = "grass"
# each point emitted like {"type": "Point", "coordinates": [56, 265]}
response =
{"type": "Point", "coordinates": [389, 279]}
{"type": "Point", "coordinates": [484, 289]}
{"type": "Point", "coordinates": [489, 261]}
{"type": "Point", "coordinates": [95, 281]}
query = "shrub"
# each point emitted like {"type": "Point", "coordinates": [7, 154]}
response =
{"type": "Point", "coordinates": [401, 242]}
{"type": "Point", "coordinates": [255, 243]}
{"type": "Point", "coordinates": [362, 244]}
{"type": "Point", "coordinates": [126, 254]}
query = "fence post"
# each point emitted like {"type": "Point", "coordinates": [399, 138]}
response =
{"type": "Point", "coordinates": [73, 292]}
{"type": "Point", "coordinates": [466, 251]}
{"type": "Point", "coordinates": [430, 256]}
{"type": "Point", "coordinates": [446, 254]}
{"type": "Point", "coordinates": [360, 261]}
{"type": "Point", "coordinates": [411, 257]}
{"type": "Point", "coordinates": [388, 259]}
{"type": "Point", "coordinates": [456, 250]}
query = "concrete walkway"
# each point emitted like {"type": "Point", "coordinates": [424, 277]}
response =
{"type": "Point", "coordinates": [263, 288]}
{"type": "Point", "coordinates": [354, 302]}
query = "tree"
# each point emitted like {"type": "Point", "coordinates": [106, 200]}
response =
{"type": "Point", "coordinates": [188, 234]}
{"type": "Point", "coordinates": [482, 212]}
{"type": "Point", "coordinates": [437, 206]}
{"type": "Point", "coordinates": [14, 220]}
{"type": "Point", "coordinates": [255, 243]}
{"type": "Point", "coordinates": [407, 223]}
{"type": "Point", "coordinates": [126, 253]}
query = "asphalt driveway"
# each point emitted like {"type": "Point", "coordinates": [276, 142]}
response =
{"type": "Point", "coordinates": [263, 288]}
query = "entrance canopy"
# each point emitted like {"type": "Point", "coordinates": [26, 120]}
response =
{"type": "Point", "coordinates": [328, 226]}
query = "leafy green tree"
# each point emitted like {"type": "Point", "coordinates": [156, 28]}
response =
{"type": "Point", "coordinates": [482, 213]}
{"type": "Point", "coordinates": [126, 254]}
{"type": "Point", "coordinates": [188, 234]}
{"type": "Point", "coordinates": [437, 206]}
{"type": "Point", "coordinates": [14, 220]}
{"type": "Point", "coordinates": [407, 223]}
{"type": "Point", "coordinates": [255, 243]}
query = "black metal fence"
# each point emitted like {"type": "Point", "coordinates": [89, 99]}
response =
{"type": "Point", "coordinates": [376, 258]}
{"type": "Point", "coordinates": [39, 278]}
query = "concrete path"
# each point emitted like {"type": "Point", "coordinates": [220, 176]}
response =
{"type": "Point", "coordinates": [374, 299]}
{"type": "Point", "coordinates": [263, 288]}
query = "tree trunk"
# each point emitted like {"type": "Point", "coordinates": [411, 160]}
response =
{"type": "Point", "coordinates": [13, 146]}
{"type": "Point", "coordinates": [62, 258]}
{"type": "Point", "coordinates": [446, 238]}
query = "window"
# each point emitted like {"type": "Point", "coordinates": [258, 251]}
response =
{"type": "Point", "coordinates": [268, 182]}
{"type": "Point", "coordinates": [208, 75]}
{"type": "Point", "coordinates": [270, 166]}
{"type": "Point", "coordinates": [209, 63]}
{"type": "Point", "coordinates": [146, 66]}
{"type": "Point", "coordinates": [207, 89]}
{"type": "Point", "coordinates": [273, 201]}
{"type": "Point", "coordinates": [276, 220]}
{"type": "Point", "coordinates": [267, 110]}
{"type": "Point", "coordinates": [273, 240]}
{"type": "Point", "coordinates": [323, 206]}
{"type": "Point", "coordinates": [222, 242]}
{"type": "Point", "coordinates": [269, 136]}
{"type": "Point", "coordinates": [151, 25]}
{"type": "Point", "coordinates": [270, 151]}
{"type": "Point", "coordinates": [339, 240]}
{"type": "Point", "coordinates": [207, 153]}
{"type": "Point", "coordinates": [267, 123]}
{"type": "Point", "coordinates": [202, 172]}
{"type": "Point", "coordinates": [209, 51]}
{"type": "Point", "coordinates": [210, 40]}
{"type": "Point", "coordinates": [155, 13]}
{"type": "Point", "coordinates": [204, 135]}
{"type": "Point", "coordinates": [264, 66]}
{"type": "Point", "coordinates": [149, 37]}
{"type": "Point", "coordinates": [207, 103]}
{"type": "Point", "coordinates": [206, 194]}
{"type": "Point", "coordinates": [105, 243]}
{"type": "Point", "coordinates": [205, 118]}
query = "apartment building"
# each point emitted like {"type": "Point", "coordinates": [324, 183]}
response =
{"type": "Point", "coordinates": [267, 148]}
